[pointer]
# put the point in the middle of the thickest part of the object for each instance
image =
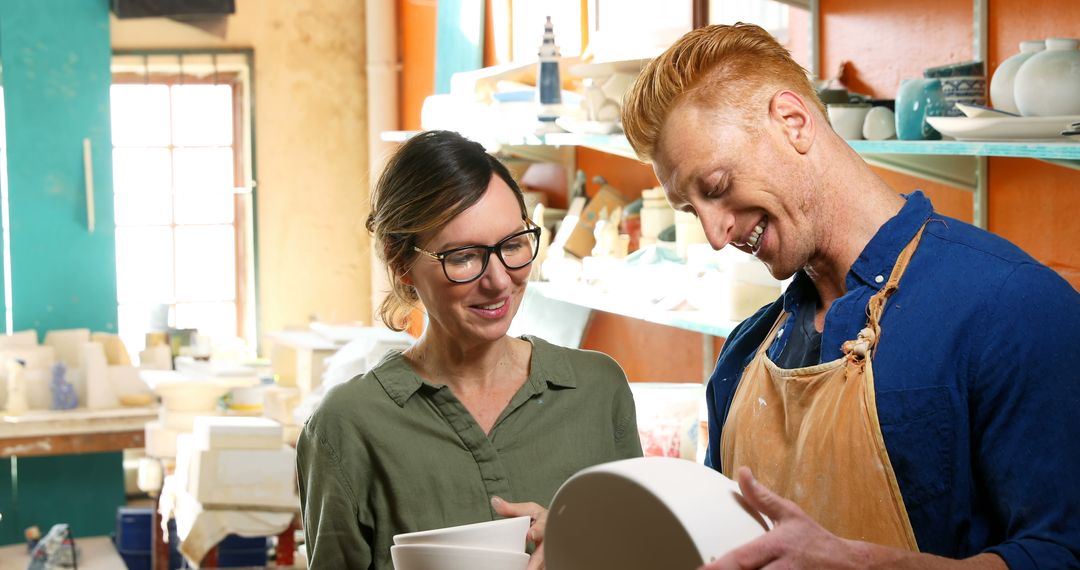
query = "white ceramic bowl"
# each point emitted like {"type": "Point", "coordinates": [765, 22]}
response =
{"type": "Point", "coordinates": [444, 557]}
{"type": "Point", "coordinates": [503, 534]}
{"type": "Point", "coordinates": [646, 513]}
{"type": "Point", "coordinates": [847, 120]}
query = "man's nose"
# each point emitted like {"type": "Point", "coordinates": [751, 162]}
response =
{"type": "Point", "coordinates": [719, 226]}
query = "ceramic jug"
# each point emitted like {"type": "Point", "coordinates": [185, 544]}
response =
{"type": "Point", "coordinates": [1048, 83]}
{"type": "Point", "coordinates": [1001, 84]}
{"type": "Point", "coordinates": [915, 100]}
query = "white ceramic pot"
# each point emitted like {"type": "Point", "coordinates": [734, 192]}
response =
{"type": "Point", "coordinates": [442, 557]}
{"type": "Point", "coordinates": [646, 513]}
{"type": "Point", "coordinates": [1001, 84]}
{"type": "Point", "coordinates": [502, 534]}
{"type": "Point", "coordinates": [1048, 83]}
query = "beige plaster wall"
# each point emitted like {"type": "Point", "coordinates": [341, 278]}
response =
{"type": "Point", "coordinates": [310, 145]}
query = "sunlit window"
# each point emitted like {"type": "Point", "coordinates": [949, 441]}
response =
{"type": "Point", "coordinates": [176, 183]}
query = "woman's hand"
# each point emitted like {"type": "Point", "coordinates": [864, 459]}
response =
{"type": "Point", "coordinates": [536, 529]}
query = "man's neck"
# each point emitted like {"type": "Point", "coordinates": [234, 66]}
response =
{"type": "Point", "coordinates": [857, 204]}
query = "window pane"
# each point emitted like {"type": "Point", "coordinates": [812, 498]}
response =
{"type": "Point", "coordinates": [202, 115]}
{"type": "Point", "coordinates": [140, 115]}
{"type": "Point", "coordinates": [218, 320]}
{"type": "Point", "coordinates": [205, 263]}
{"type": "Point", "coordinates": [141, 169]}
{"type": "Point", "coordinates": [142, 184]}
{"type": "Point", "coordinates": [144, 264]}
{"type": "Point", "coordinates": [149, 208]}
{"type": "Point", "coordinates": [204, 185]}
{"type": "Point", "coordinates": [135, 321]}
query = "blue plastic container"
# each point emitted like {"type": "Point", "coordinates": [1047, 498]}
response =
{"type": "Point", "coordinates": [236, 551]}
{"type": "Point", "coordinates": [134, 536]}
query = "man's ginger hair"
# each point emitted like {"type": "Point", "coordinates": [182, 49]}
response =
{"type": "Point", "coordinates": [735, 67]}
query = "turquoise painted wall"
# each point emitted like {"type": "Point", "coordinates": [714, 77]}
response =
{"type": "Point", "coordinates": [56, 58]}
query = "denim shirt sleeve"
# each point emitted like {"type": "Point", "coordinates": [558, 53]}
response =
{"type": "Point", "coordinates": [1025, 396]}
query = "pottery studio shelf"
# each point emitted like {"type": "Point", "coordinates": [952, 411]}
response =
{"type": "Point", "coordinates": [591, 298]}
{"type": "Point", "coordinates": [927, 159]}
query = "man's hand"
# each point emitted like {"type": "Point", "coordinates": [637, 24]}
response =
{"type": "Point", "coordinates": [796, 541]}
{"type": "Point", "coordinates": [536, 529]}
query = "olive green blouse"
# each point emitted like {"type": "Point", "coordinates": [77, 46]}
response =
{"type": "Point", "coordinates": [389, 452]}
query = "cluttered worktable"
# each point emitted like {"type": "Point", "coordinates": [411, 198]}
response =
{"type": "Point", "coordinates": [60, 432]}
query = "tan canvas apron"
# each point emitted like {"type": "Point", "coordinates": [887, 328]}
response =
{"type": "Point", "coordinates": [812, 434]}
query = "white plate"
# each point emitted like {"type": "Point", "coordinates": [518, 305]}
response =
{"type": "Point", "coordinates": [1002, 128]}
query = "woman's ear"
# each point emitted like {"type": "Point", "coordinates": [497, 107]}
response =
{"type": "Point", "coordinates": [790, 111]}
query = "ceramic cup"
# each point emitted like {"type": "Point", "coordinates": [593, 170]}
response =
{"type": "Point", "coordinates": [847, 120]}
{"type": "Point", "coordinates": [915, 100]}
{"type": "Point", "coordinates": [879, 125]}
{"type": "Point", "coordinates": [967, 89]}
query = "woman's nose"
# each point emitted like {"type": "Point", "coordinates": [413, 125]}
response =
{"type": "Point", "coordinates": [496, 275]}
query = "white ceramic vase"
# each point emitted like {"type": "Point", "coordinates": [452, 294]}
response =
{"type": "Point", "coordinates": [1001, 84]}
{"type": "Point", "coordinates": [1048, 83]}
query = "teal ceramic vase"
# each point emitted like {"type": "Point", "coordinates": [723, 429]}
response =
{"type": "Point", "coordinates": [916, 100]}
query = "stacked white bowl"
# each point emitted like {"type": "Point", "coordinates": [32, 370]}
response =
{"type": "Point", "coordinates": [492, 545]}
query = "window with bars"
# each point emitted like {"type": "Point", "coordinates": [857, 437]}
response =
{"type": "Point", "coordinates": [182, 201]}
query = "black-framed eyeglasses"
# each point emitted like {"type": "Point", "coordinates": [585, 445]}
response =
{"type": "Point", "coordinates": [468, 263]}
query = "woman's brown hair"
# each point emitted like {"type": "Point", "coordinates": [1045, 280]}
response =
{"type": "Point", "coordinates": [432, 178]}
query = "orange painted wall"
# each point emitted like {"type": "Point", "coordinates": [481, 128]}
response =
{"type": "Point", "coordinates": [1030, 202]}
{"type": "Point", "coordinates": [416, 44]}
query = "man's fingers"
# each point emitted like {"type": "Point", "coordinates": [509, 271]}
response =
{"type": "Point", "coordinates": [762, 499]}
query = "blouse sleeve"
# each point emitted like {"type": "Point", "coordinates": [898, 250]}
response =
{"type": "Point", "coordinates": [624, 414]}
{"type": "Point", "coordinates": [335, 534]}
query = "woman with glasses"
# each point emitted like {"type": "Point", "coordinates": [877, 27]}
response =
{"type": "Point", "coordinates": [469, 424]}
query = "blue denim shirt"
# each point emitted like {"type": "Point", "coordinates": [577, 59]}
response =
{"type": "Point", "coordinates": [977, 376]}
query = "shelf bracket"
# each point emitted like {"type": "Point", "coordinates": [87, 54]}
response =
{"type": "Point", "coordinates": [980, 201]}
{"type": "Point", "coordinates": [951, 170]}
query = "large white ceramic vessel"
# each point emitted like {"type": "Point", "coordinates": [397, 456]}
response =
{"type": "Point", "coordinates": [1001, 84]}
{"type": "Point", "coordinates": [647, 513]}
{"type": "Point", "coordinates": [1048, 83]}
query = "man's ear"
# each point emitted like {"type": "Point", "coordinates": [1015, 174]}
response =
{"type": "Point", "coordinates": [790, 111]}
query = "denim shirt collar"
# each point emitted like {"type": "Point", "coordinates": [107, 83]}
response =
{"type": "Point", "coordinates": [879, 256]}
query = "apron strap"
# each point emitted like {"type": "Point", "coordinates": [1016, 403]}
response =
{"type": "Point", "coordinates": [869, 336]}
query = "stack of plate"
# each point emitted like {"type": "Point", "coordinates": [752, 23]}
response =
{"type": "Point", "coordinates": [494, 545]}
